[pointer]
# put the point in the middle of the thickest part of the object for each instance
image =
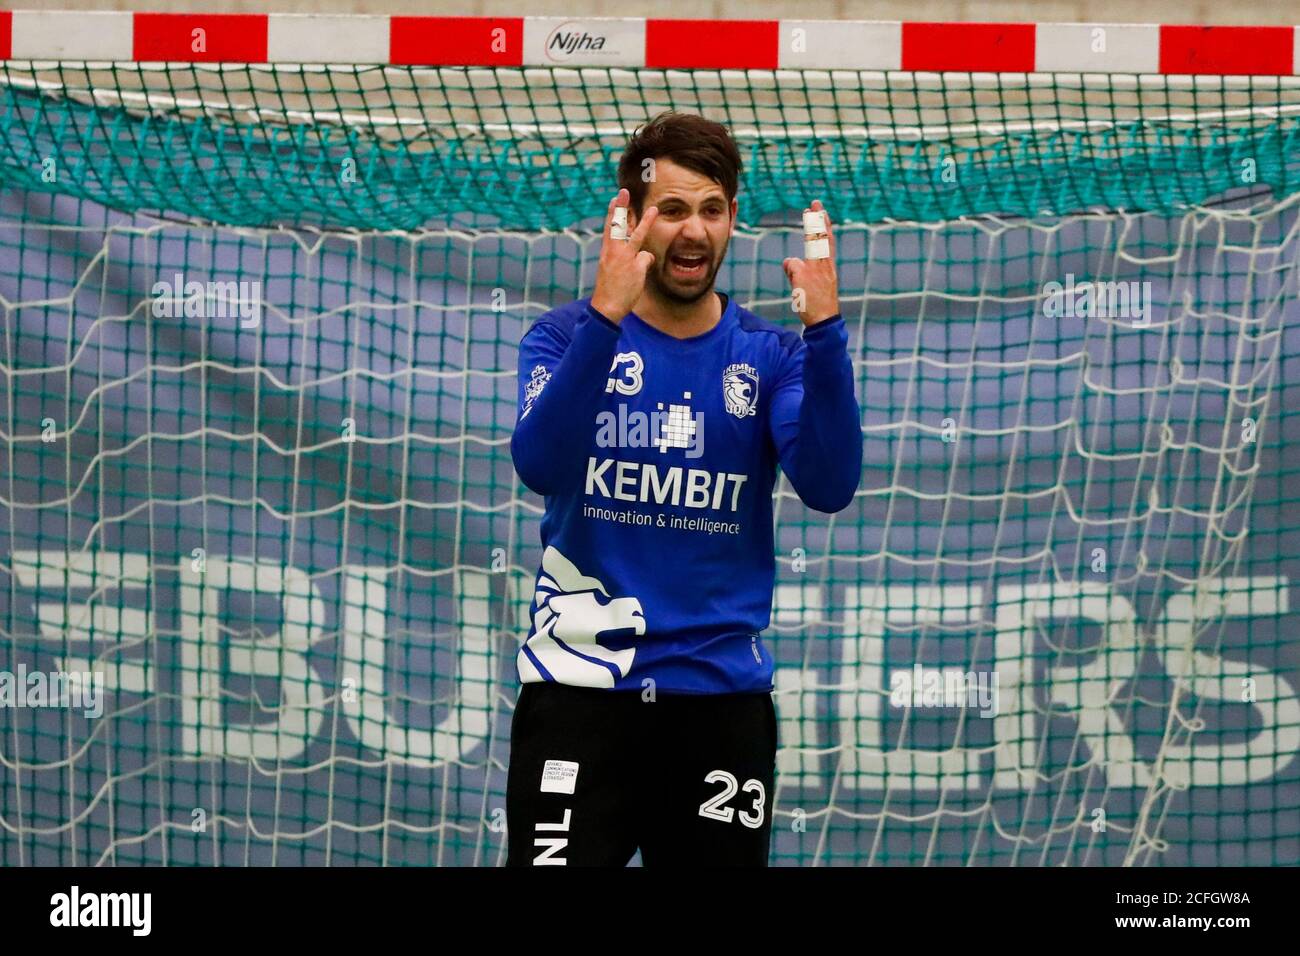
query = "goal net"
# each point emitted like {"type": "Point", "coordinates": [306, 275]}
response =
{"type": "Point", "coordinates": [264, 561]}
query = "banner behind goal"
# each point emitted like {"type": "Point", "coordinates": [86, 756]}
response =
{"type": "Point", "coordinates": [257, 385]}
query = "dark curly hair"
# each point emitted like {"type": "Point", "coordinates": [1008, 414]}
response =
{"type": "Point", "coordinates": [689, 140]}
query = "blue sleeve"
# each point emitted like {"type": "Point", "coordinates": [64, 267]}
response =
{"type": "Point", "coordinates": [815, 422]}
{"type": "Point", "coordinates": [560, 379]}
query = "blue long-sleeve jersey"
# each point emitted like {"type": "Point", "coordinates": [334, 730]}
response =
{"type": "Point", "coordinates": [657, 458]}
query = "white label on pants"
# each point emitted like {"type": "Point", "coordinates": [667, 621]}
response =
{"type": "Point", "coordinates": [559, 776]}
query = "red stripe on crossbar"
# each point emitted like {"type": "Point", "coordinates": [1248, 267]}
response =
{"type": "Point", "coordinates": [712, 44]}
{"type": "Point", "coordinates": [6, 34]}
{"type": "Point", "coordinates": [969, 47]}
{"type": "Point", "coordinates": [1257, 51]}
{"type": "Point", "coordinates": [456, 41]}
{"type": "Point", "coordinates": [200, 37]}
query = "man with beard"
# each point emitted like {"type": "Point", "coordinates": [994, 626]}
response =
{"type": "Point", "coordinates": [652, 418]}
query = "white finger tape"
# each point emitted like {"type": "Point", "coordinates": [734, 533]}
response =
{"type": "Point", "coordinates": [618, 228]}
{"type": "Point", "coordinates": [816, 242]}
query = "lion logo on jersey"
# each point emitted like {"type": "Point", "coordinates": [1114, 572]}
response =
{"type": "Point", "coordinates": [740, 389]}
{"type": "Point", "coordinates": [573, 611]}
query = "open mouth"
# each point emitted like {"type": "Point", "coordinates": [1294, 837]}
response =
{"type": "Point", "coordinates": [688, 267]}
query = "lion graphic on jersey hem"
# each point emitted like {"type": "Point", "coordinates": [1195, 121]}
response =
{"type": "Point", "coordinates": [573, 611]}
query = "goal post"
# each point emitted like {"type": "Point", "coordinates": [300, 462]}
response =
{"type": "Point", "coordinates": [264, 560]}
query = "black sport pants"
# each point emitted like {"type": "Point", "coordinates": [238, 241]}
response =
{"type": "Point", "coordinates": [595, 774]}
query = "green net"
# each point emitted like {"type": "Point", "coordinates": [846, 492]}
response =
{"type": "Point", "coordinates": [258, 367]}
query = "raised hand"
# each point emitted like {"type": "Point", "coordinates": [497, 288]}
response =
{"type": "Point", "coordinates": [620, 276]}
{"type": "Point", "coordinates": [814, 281]}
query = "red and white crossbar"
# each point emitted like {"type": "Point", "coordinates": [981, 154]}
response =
{"type": "Point", "coordinates": [651, 43]}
